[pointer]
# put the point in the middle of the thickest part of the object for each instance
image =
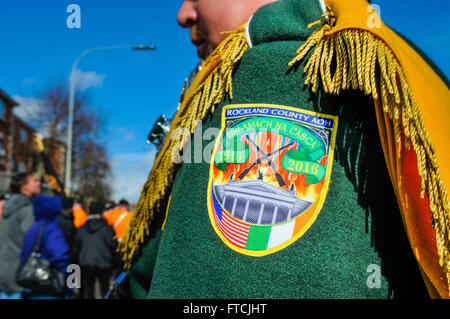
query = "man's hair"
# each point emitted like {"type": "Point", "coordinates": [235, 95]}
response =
{"type": "Point", "coordinates": [124, 202]}
{"type": "Point", "coordinates": [109, 204]}
{"type": "Point", "coordinates": [96, 208]}
{"type": "Point", "coordinates": [67, 203]}
{"type": "Point", "coordinates": [18, 181]}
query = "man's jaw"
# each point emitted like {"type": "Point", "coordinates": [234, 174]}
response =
{"type": "Point", "coordinates": [204, 50]}
{"type": "Point", "coordinates": [201, 47]}
{"type": "Point", "coordinates": [200, 40]}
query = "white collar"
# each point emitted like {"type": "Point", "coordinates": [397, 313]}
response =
{"type": "Point", "coordinates": [323, 6]}
{"type": "Point", "coordinates": [247, 32]}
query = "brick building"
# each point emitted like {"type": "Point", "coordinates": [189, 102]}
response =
{"type": "Point", "coordinates": [6, 139]}
{"type": "Point", "coordinates": [18, 150]}
{"type": "Point", "coordinates": [25, 151]}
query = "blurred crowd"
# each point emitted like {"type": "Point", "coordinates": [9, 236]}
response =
{"type": "Point", "coordinates": [84, 233]}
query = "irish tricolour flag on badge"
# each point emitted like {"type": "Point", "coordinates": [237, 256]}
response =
{"type": "Point", "coordinates": [269, 175]}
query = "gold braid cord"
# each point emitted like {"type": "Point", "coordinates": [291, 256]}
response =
{"type": "Point", "coordinates": [356, 53]}
{"type": "Point", "coordinates": [204, 97]}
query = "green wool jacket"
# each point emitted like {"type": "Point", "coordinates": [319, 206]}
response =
{"type": "Point", "coordinates": [356, 248]}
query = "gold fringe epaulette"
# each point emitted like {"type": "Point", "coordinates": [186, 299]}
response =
{"type": "Point", "coordinates": [207, 90]}
{"type": "Point", "coordinates": [357, 59]}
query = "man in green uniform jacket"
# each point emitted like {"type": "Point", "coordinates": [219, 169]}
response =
{"type": "Point", "coordinates": [293, 198]}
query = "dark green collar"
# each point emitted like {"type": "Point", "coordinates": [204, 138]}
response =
{"type": "Point", "coordinates": [283, 20]}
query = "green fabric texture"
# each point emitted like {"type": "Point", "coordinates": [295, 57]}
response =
{"type": "Point", "coordinates": [358, 226]}
{"type": "Point", "coordinates": [140, 274]}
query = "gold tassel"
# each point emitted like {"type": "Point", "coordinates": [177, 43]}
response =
{"type": "Point", "coordinates": [192, 109]}
{"type": "Point", "coordinates": [356, 53]}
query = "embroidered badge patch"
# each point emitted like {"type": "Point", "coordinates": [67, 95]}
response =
{"type": "Point", "coordinates": [269, 175]}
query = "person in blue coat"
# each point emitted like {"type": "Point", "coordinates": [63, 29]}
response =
{"type": "Point", "coordinates": [54, 248]}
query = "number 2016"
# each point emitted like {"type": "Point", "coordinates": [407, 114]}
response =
{"type": "Point", "coordinates": [303, 167]}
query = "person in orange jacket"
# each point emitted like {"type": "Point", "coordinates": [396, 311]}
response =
{"type": "Point", "coordinates": [79, 215]}
{"type": "Point", "coordinates": [111, 212]}
{"type": "Point", "coordinates": [121, 219]}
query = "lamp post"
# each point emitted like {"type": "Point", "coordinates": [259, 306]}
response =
{"type": "Point", "coordinates": [68, 169]}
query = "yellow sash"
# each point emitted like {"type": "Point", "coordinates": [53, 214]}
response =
{"type": "Point", "coordinates": [412, 104]}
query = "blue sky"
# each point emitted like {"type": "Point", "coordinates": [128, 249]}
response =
{"type": "Point", "coordinates": [132, 88]}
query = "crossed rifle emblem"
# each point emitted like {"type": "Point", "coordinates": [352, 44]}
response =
{"type": "Point", "coordinates": [265, 157]}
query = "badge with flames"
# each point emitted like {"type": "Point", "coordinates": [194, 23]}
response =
{"type": "Point", "coordinates": [269, 175]}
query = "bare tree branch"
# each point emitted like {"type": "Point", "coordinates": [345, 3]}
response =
{"type": "Point", "coordinates": [90, 165]}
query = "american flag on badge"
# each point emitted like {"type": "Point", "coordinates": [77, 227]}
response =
{"type": "Point", "coordinates": [233, 230]}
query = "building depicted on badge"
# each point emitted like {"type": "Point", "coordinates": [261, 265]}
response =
{"type": "Point", "coordinates": [260, 203]}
